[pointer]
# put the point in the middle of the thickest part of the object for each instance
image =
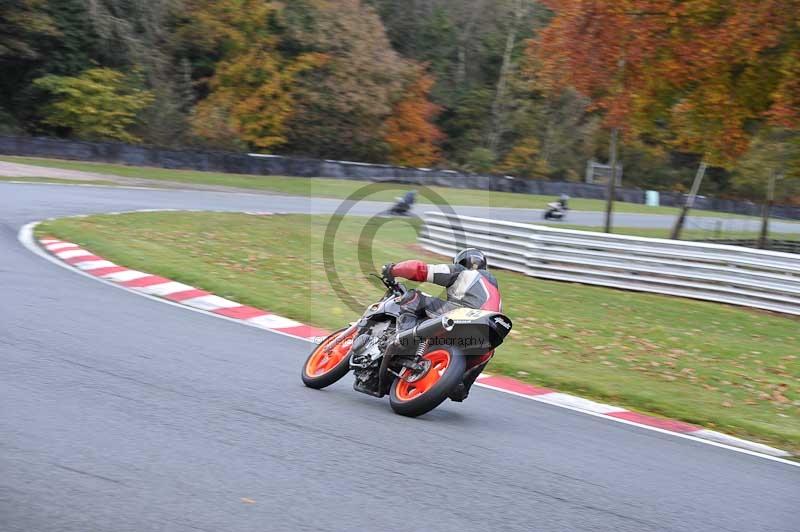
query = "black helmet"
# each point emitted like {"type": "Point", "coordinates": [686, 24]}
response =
{"type": "Point", "coordinates": [471, 259]}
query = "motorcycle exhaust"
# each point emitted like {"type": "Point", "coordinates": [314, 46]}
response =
{"type": "Point", "coordinates": [427, 328]}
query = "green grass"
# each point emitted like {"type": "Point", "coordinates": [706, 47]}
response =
{"type": "Point", "coordinates": [687, 234]}
{"type": "Point", "coordinates": [724, 367]}
{"type": "Point", "coordinates": [341, 188]}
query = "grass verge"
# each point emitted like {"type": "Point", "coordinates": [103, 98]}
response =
{"type": "Point", "coordinates": [342, 188]}
{"type": "Point", "coordinates": [723, 367]}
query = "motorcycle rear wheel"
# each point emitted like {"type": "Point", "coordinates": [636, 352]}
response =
{"type": "Point", "coordinates": [322, 369]}
{"type": "Point", "coordinates": [420, 397]}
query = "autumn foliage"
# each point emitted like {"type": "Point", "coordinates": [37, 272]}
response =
{"type": "Point", "coordinates": [410, 132]}
{"type": "Point", "coordinates": [696, 74]}
{"type": "Point", "coordinates": [251, 91]}
{"type": "Point", "coordinates": [528, 88]}
{"type": "Point", "coordinates": [99, 104]}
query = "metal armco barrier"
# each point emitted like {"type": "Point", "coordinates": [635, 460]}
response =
{"type": "Point", "coordinates": [725, 274]}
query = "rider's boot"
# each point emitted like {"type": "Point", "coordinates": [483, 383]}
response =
{"type": "Point", "coordinates": [461, 390]}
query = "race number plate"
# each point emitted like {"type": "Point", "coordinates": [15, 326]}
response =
{"type": "Point", "coordinates": [467, 314]}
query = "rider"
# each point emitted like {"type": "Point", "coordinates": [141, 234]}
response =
{"type": "Point", "coordinates": [469, 284]}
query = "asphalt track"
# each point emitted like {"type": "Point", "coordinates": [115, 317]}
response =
{"type": "Point", "coordinates": [119, 413]}
{"type": "Point", "coordinates": [97, 197]}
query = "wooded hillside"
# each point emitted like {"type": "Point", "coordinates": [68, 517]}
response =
{"type": "Point", "coordinates": [522, 87]}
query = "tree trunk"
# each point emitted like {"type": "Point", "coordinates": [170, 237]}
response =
{"type": "Point", "coordinates": [611, 191]}
{"type": "Point", "coordinates": [463, 41]}
{"type": "Point", "coordinates": [461, 66]}
{"type": "Point", "coordinates": [505, 70]}
{"type": "Point", "coordinates": [698, 179]}
{"type": "Point", "coordinates": [762, 239]}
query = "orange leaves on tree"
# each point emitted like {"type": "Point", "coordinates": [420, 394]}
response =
{"type": "Point", "coordinates": [228, 26]}
{"type": "Point", "coordinates": [251, 98]}
{"type": "Point", "coordinates": [723, 58]}
{"type": "Point", "coordinates": [409, 132]}
{"type": "Point", "coordinates": [698, 72]}
{"type": "Point", "coordinates": [251, 92]}
{"type": "Point", "coordinates": [524, 159]}
{"type": "Point", "coordinates": [596, 48]}
{"type": "Point", "coordinates": [785, 110]}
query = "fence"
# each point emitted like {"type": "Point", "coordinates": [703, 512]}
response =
{"type": "Point", "coordinates": [725, 274]}
{"type": "Point", "coordinates": [242, 163]}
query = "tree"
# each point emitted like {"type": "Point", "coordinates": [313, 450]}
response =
{"type": "Point", "coordinates": [466, 125]}
{"type": "Point", "coordinates": [785, 109]}
{"type": "Point", "coordinates": [718, 97]}
{"type": "Point", "coordinates": [124, 35]}
{"type": "Point", "coordinates": [555, 122]}
{"type": "Point", "coordinates": [694, 76]}
{"type": "Point", "coordinates": [140, 35]}
{"type": "Point", "coordinates": [343, 104]}
{"type": "Point", "coordinates": [22, 22]}
{"type": "Point", "coordinates": [25, 29]}
{"type": "Point", "coordinates": [602, 51]}
{"type": "Point", "coordinates": [251, 93]}
{"type": "Point", "coordinates": [409, 132]}
{"type": "Point", "coordinates": [524, 160]}
{"type": "Point", "coordinates": [472, 48]}
{"type": "Point", "coordinates": [770, 152]}
{"type": "Point", "coordinates": [100, 104]}
{"type": "Point", "coordinates": [516, 11]}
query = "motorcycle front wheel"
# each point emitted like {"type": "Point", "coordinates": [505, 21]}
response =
{"type": "Point", "coordinates": [324, 367]}
{"type": "Point", "coordinates": [447, 366]}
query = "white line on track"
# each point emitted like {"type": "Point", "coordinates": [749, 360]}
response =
{"type": "Point", "coordinates": [90, 185]}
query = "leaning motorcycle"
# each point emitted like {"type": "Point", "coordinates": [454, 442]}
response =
{"type": "Point", "coordinates": [426, 362]}
{"type": "Point", "coordinates": [555, 211]}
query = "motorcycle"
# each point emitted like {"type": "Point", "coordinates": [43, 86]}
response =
{"type": "Point", "coordinates": [402, 205]}
{"type": "Point", "coordinates": [427, 360]}
{"type": "Point", "coordinates": [556, 210]}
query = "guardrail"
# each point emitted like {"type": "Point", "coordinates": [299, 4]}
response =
{"type": "Point", "coordinates": [785, 246]}
{"type": "Point", "coordinates": [725, 274]}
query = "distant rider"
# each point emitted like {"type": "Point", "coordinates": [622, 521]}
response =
{"type": "Point", "coordinates": [469, 284]}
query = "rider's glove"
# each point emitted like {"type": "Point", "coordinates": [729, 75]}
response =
{"type": "Point", "coordinates": [386, 273]}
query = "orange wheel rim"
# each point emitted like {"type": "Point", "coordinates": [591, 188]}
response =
{"type": "Point", "coordinates": [440, 361]}
{"type": "Point", "coordinates": [321, 362]}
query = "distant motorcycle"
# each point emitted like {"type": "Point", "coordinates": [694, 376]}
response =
{"type": "Point", "coordinates": [557, 210]}
{"type": "Point", "coordinates": [402, 205]}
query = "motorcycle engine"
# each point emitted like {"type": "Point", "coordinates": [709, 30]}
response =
{"type": "Point", "coordinates": [367, 353]}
